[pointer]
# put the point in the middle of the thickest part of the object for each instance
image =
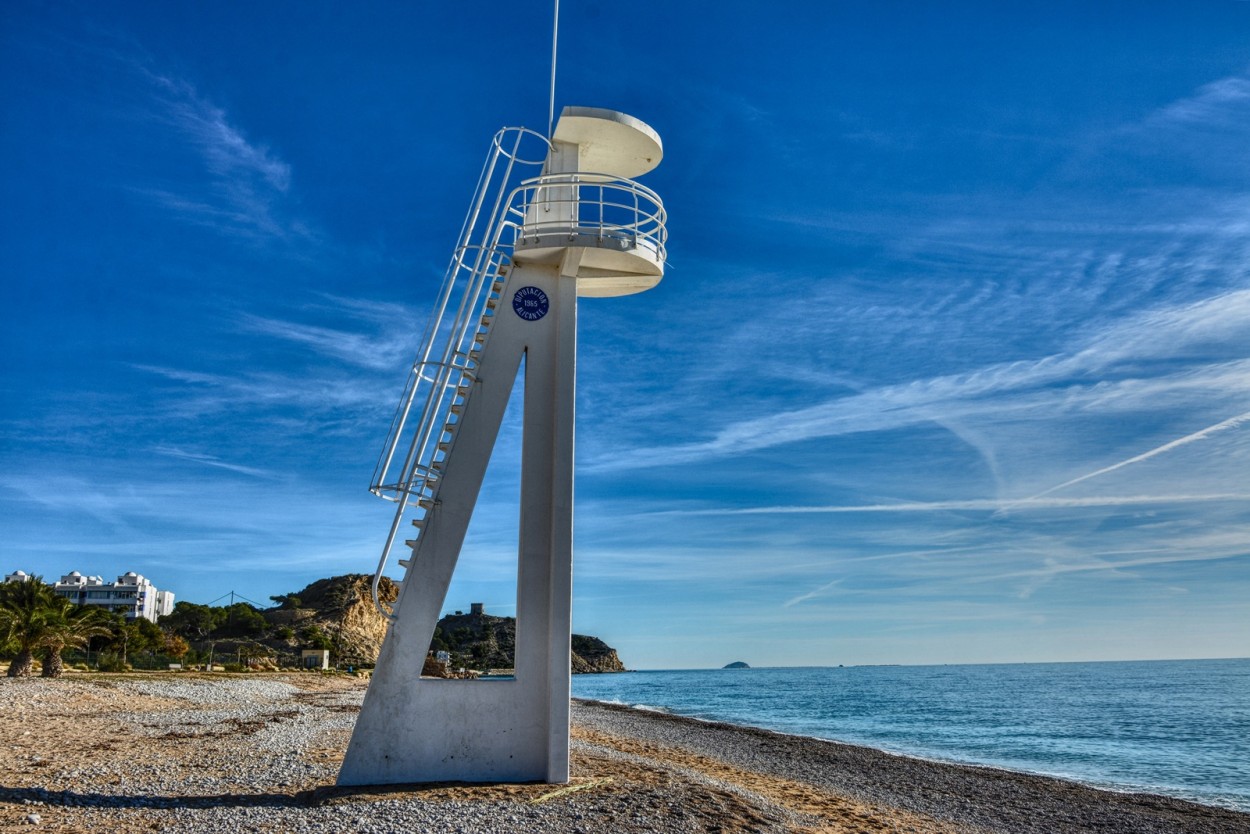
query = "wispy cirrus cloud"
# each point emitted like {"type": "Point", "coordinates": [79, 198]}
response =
{"type": "Point", "coordinates": [817, 592]}
{"type": "Point", "coordinates": [227, 153]}
{"type": "Point", "coordinates": [1105, 373]}
{"type": "Point", "coordinates": [173, 524]}
{"type": "Point", "coordinates": [247, 183]}
{"type": "Point", "coordinates": [110, 504]}
{"type": "Point", "coordinates": [381, 313]}
{"type": "Point", "coordinates": [331, 401]}
{"type": "Point", "coordinates": [340, 378]}
{"type": "Point", "coordinates": [210, 460]}
{"type": "Point", "coordinates": [1213, 102]}
{"type": "Point", "coordinates": [972, 505]}
{"type": "Point", "coordinates": [1202, 434]}
{"type": "Point", "coordinates": [1053, 568]}
{"type": "Point", "coordinates": [355, 348]}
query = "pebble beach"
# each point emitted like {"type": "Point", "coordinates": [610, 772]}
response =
{"type": "Point", "coordinates": [230, 753]}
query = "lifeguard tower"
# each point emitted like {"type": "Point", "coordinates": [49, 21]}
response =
{"type": "Point", "coordinates": [551, 220]}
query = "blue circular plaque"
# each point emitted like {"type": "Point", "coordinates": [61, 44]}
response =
{"type": "Point", "coordinates": [530, 303]}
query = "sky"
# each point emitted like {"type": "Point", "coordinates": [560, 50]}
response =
{"type": "Point", "coordinates": [950, 364]}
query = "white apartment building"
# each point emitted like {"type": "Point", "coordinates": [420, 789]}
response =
{"type": "Point", "coordinates": [131, 595]}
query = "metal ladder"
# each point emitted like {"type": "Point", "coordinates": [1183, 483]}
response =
{"type": "Point", "coordinates": [620, 222]}
{"type": "Point", "coordinates": [443, 374]}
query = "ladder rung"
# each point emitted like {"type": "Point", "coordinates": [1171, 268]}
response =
{"type": "Point", "coordinates": [409, 543]}
{"type": "Point", "coordinates": [425, 503]}
{"type": "Point", "coordinates": [403, 563]}
{"type": "Point", "coordinates": [418, 523]}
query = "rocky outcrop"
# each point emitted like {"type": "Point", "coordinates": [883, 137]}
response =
{"type": "Point", "coordinates": [338, 613]}
{"type": "Point", "coordinates": [483, 641]}
{"type": "Point", "coordinates": [592, 655]}
{"type": "Point", "coordinates": [477, 641]}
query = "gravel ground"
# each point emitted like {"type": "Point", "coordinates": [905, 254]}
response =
{"type": "Point", "coordinates": [206, 753]}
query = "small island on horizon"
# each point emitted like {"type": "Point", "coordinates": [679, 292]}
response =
{"type": "Point", "coordinates": [737, 664]}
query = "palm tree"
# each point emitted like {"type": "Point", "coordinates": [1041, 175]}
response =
{"type": "Point", "coordinates": [24, 611]}
{"type": "Point", "coordinates": [69, 626]}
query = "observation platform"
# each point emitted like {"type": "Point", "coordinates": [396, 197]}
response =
{"type": "Point", "coordinates": [587, 200]}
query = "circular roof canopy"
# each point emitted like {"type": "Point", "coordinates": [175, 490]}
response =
{"type": "Point", "coordinates": [610, 142]}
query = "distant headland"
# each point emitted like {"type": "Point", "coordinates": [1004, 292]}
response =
{"type": "Point", "coordinates": [737, 664]}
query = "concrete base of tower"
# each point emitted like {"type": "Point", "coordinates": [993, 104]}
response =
{"type": "Point", "coordinates": [413, 729]}
{"type": "Point", "coordinates": [456, 731]}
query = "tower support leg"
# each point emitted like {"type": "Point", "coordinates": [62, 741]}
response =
{"type": "Point", "coordinates": [424, 730]}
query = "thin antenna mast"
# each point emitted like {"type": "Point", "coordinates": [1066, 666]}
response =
{"type": "Point", "coordinates": [555, 31]}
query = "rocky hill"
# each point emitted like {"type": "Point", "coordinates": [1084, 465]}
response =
{"type": "Point", "coordinates": [483, 641]}
{"type": "Point", "coordinates": [338, 614]}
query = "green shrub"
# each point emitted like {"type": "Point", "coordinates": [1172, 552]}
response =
{"type": "Point", "coordinates": [111, 662]}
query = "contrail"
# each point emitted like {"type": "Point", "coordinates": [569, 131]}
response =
{"type": "Point", "coordinates": [975, 504]}
{"type": "Point", "coordinates": [810, 594]}
{"type": "Point", "coordinates": [1230, 423]}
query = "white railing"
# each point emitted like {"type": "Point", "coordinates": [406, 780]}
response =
{"type": "Point", "coordinates": [589, 210]}
{"type": "Point", "coordinates": [558, 210]}
{"type": "Point", "coordinates": [447, 359]}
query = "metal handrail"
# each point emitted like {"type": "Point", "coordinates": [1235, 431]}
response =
{"type": "Point", "coordinates": [586, 204]}
{"type": "Point", "coordinates": [446, 359]}
{"type": "Point", "coordinates": [590, 204]}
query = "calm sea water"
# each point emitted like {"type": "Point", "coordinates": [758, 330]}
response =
{"type": "Point", "coordinates": [1180, 728]}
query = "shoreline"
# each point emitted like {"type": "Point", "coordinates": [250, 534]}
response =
{"type": "Point", "coordinates": [982, 798]}
{"type": "Point", "coordinates": [647, 709]}
{"type": "Point", "coordinates": [208, 753]}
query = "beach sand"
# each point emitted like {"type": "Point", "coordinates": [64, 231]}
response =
{"type": "Point", "coordinates": [218, 753]}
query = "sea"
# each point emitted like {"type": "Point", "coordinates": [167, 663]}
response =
{"type": "Point", "coordinates": [1178, 728]}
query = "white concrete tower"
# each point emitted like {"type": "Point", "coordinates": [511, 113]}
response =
{"type": "Point", "coordinates": [529, 248]}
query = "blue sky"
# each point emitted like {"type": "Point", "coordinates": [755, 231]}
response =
{"type": "Point", "coordinates": [951, 362]}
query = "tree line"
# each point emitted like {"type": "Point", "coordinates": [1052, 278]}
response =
{"type": "Point", "coordinates": [38, 623]}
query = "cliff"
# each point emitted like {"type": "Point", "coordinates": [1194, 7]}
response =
{"type": "Point", "coordinates": [592, 655]}
{"type": "Point", "coordinates": [337, 614]}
